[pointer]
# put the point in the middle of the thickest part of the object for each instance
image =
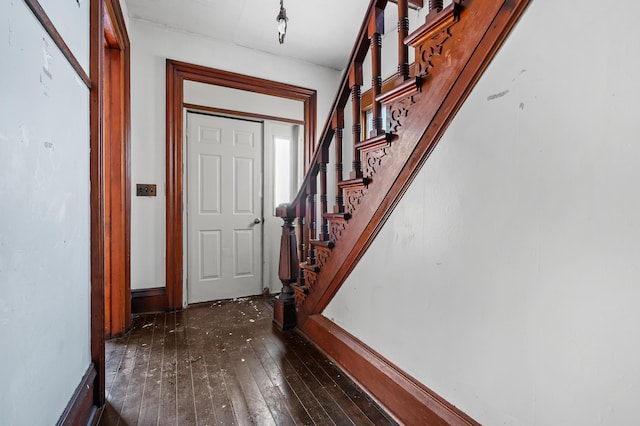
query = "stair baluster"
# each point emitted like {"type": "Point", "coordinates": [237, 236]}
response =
{"type": "Point", "coordinates": [338, 126]}
{"type": "Point", "coordinates": [324, 227]}
{"type": "Point", "coordinates": [311, 217]}
{"type": "Point", "coordinates": [355, 82]}
{"type": "Point", "coordinates": [376, 28]}
{"type": "Point", "coordinates": [403, 32]}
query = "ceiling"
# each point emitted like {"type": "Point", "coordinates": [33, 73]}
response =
{"type": "Point", "coordinates": [319, 32]}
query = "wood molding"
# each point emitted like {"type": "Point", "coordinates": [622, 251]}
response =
{"type": "Point", "coordinates": [149, 300]}
{"type": "Point", "coordinates": [44, 20]}
{"type": "Point", "coordinates": [176, 73]}
{"type": "Point", "coordinates": [96, 144]}
{"type": "Point", "coordinates": [117, 168]}
{"type": "Point", "coordinates": [409, 401]}
{"type": "Point", "coordinates": [234, 113]}
{"type": "Point", "coordinates": [485, 25]}
{"type": "Point", "coordinates": [81, 410]}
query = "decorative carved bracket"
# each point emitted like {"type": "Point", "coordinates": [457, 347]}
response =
{"type": "Point", "coordinates": [322, 255]}
{"type": "Point", "coordinates": [428, 40]}
{"type": "Point", "coordinates": [398, 111]}
{"type": "Point", "coordinates": [336, 231]}
{"type": "Point", "coordinates": [373, 161]}
{"type": "Point", "coordinates": [353, 197]}
{"type": "Point", "coordinates": [300, 296]}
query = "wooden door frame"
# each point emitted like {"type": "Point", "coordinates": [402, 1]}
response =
{"type": "Point", "coordinates": [117, 170]}
{"type": "Point", "coordinates": [99, 10]}
{"type": "Point", "coordinates": [176, 73]}
{"type": "Point", "coordinates": [96, 104]}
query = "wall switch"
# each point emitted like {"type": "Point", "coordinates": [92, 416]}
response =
{"type": "Point", "coordinates": [146, 190]}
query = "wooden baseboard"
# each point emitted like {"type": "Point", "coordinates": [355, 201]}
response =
{"type": "Point", "coordinates": [80, 410]}
{"type": "Point", "coordinates": [149, 300]}
{"type": "Point", "coordinates": [402, 396]}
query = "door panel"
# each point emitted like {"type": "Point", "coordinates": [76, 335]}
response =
{"type": "Point", "coordinates": [224, 172]}
{"type": "Point", "coordinates": [209, 183]}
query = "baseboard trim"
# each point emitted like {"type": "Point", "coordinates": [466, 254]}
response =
{"type": "Point", "coordinates": [80, 410]}
{"type": "Point", "coordinates": [149, 300]}
{"type": "Point", "coordinates": [409, 401]}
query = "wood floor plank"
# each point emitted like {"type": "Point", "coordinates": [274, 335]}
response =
{"type": "Point", "coordinates": [274, 401]}
{"type": "Point", "coordinates": [124, 373]}
{"type": "Point", "coordinates": [220, 399]}
{"type": "Point", "coordinates": [222, 363]}
{"type": "Point", "coordinates": [333, 408]}
{"type": "Point", "coordinates": [167, 414]}
{"type": "Point", "coordinates": [278, 352]}
{"type": "Point", "coordinates": [367, 405]}
{"type": "Point", "coordinates": [184, 380]}
{"type": "Point", "coordinates": [131, 406]}
{"type": "Point", "coordinates": [150, 405]}
{"type": "Point", "coordinates": [228, 376]}
{"type": "Point", "coordinates": [337, 394]}
{"type": "Point", "coordinates": [115, 350]}
{"type": "Point", "coordinates": [202, 395]}
{"type": "Point", "coordinates": [279, 382]}
{"type": "Point", "coordinates": [257, 406]}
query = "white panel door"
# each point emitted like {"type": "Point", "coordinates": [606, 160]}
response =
{"type": "Point", "coordinates": [224, 208]}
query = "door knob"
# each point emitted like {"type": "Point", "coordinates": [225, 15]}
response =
{"type": "Point", "coordinates": [257, 221]}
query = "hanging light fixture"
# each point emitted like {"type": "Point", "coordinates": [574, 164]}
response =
{"type": "Point", "coordinates": [282, 23]}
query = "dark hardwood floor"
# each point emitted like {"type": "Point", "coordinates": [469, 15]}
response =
{"type": "Point", "coordinates": [221, 363]}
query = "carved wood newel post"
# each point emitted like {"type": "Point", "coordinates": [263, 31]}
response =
{"type": "Point", "coordinates": [284, 306]}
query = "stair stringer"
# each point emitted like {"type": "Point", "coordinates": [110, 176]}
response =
{"type": "Point", "coordinates": [450, 58]}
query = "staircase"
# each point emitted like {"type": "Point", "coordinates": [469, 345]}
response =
{"type": "Point", "coordinates": [320, 247]}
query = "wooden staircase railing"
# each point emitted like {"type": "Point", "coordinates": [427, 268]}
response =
{"type": "Point", "coordinates": [452, 49]}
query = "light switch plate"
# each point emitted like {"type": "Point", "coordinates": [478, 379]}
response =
{"type": "Point", "coordinates": [146, 190]}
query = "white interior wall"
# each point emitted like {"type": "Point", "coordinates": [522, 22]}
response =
{"type": "Point", "coordinates": [44, 216]}
{"type": "Point", "coordinates": [241, 100]}
{"type": "Point", "coordinates": [151, 45]}
{"type": "Point", "coordinates": [71, 20]}
{"type": "Point", "coordinates": [508, 273]}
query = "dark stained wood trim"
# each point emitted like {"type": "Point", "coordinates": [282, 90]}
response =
{"type": "Point", "coordinates": [80, 410]}
{"type": "Point", "coordinates": [117, 118]}
{"type": "Point", "coordinates": [149, 300]}
{"type": "Point", "coordinates": [174, 220]}
{"type": "Point", "coordinates": [96, 103]}
{"type": "Point", "coordinates": [223, 111]}
{"type": "Point", "coordinates": [176, 73]}
{"type": "Point", "coordinates": [377, 207]}
{"type": "Point", "coordinates": [44, 20]}
{"type": "Point", "coordinates": [125, 46]}
{"type": "Point", "coordinates": [409, 401]}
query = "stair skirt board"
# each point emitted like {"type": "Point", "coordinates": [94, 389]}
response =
{"type": "Point", "coordinates": [407, 400]}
